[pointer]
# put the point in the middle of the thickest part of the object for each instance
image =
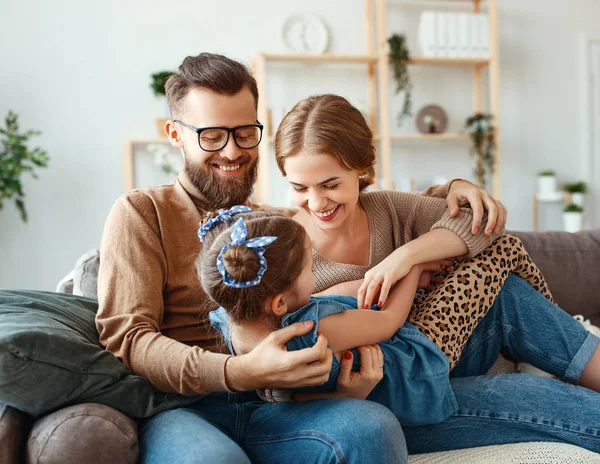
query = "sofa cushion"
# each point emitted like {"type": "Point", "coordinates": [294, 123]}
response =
{"type": "Point", "coordinates": [84, 433]}
{"type": "Point", "coordinates": [570, 263]}
{"type": "Point", "coordinates": [50, 357]}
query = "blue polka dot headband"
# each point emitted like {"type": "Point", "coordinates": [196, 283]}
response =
{"type": "Point", "coordinates": [239, 232]}
{"type": "Point", "coordinates": [225, 215]}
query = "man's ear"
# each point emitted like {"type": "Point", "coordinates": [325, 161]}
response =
{"type": "Point", "coordinates": [278, 305]}
{"type": "Point", "coordinates": [173, 134]}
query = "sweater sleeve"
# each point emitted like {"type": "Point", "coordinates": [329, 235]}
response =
{"type": "Point", "coordinates": [419, 214]}
{"type": "Point", "coordinates": [131, 280]}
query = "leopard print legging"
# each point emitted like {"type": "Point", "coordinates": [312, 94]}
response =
{"type": "Point", "coordinates": [449, 313]}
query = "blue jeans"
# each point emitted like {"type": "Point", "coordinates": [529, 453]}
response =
{"type": "Point", "coordinates": [517, 408]}
{"type": "Point", "coordinates": [239, 428]}
{"type": "Point", "coordinates": [492, 409]}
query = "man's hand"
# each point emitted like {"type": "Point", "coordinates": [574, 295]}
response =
{"type": "Point", "coordinates": [464, 193]}
{"type": "Point", "coordinates": [270, 365]}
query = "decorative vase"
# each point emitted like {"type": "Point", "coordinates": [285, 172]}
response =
{"type": "Point", "coordinates": [577, 198]}
{"type": "Point", "coordinates": [546, 186]}
{"type": "Point", "coordinates": [572, 221]}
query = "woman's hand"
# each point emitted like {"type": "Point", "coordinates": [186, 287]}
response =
{"type": "Point", "coordinates": [353, 384]}
{"type": "Point", "coordinates": [463, 193]}
{"type": "Point", "coordinates": [381, 278]}
{"type": "Point", "coordinates": [360, 384]}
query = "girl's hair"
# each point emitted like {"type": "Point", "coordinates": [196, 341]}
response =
{"type": "Point", "coordinates": [284, 257]}
{"type": "Point", "coordinates": [328, 124]}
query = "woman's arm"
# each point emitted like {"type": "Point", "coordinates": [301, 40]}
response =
{"type": "Point", "coordinates": [355, 328]}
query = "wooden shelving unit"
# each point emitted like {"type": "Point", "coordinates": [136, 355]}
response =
{"type": "Point", "coordinates": [478, 64]}
{"type": "Point", "coordinates": [378, 82]}
{"type": "Point", "coordinates": [129, 159]}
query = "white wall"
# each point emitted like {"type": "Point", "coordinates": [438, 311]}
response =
{"type": "Point", "coordinates": [79, 72]}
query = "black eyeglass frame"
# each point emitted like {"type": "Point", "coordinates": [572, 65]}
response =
{"type": "Point", "coordinates": [199, 130]}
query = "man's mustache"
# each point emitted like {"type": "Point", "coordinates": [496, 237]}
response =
{"type": "Point", "coordinates": [227, 162]}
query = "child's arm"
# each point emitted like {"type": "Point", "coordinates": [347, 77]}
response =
{"type": "Point", "coordinates": [365, 327]}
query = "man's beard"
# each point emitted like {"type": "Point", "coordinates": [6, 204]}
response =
{"type": "Point", "coordinates": [221, 192]}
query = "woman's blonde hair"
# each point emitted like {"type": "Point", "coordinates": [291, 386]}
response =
{"type": "Point", "coordinates": [328, 124]}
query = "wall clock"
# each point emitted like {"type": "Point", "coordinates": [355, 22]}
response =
{"type": "Point", "coordinates": [305, 33]}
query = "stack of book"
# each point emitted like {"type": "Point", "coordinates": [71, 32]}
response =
{"type": "Point", "coordinates": [454, 35]}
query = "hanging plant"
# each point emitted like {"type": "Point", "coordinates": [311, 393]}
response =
{"type": "Point", "coordinates": [399, 58]}
{"type": "Point", "coordinates": [484, 145]}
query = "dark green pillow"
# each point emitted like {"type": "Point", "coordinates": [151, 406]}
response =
{"type": "Point", "coordinates": [50, 357]}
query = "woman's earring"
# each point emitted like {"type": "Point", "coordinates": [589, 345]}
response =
{"type": "Point", "coordinates": [363, 176]}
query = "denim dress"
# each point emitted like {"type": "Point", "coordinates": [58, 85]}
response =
{"type": "Point", "coordinates": [415, 384]}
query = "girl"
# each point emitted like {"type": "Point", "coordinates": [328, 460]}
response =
{"type": "Point", "coordinates": [260, 272]}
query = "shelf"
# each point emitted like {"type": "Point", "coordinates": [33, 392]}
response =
{"type": "Point", "coordinates": [445, 136]}
{"type": "Point", "coordinates": [558, 196]}
{"type": "Point", "coordinates": [431, 3]}
{"type": "Point", "coordinates": [332, 58]}
{"type": "Point", "coordinates": [318, 58]}
{"type": "Point", "coordinates": [438, 61]}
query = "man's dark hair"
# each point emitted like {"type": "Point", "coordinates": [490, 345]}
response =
{"type": "Point", "coordinates": [217, 73]}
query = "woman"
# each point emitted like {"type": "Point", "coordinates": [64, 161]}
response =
{"type": "Point", "coordinates": [324, 147]}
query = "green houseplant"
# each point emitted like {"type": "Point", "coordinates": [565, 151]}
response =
{"type": "Point", "coordinates": [572, 217]}
{"type": "Point", "coordinates": [546, 184]}
{"type": "Point", "coordinates": [577, 187]}
{"type": "Point", "coordinates": [482, 132]}
{"type": "Point", "coordinates": [576, 192]}
{"type": "Point", "coordinates": [16, 158]}
{"type": "Point", "coordinates": [158, 81]}
{"type": "Point", "coordinates": [157, 84]}
{"type": "Point", "coordinates": [399, 57]}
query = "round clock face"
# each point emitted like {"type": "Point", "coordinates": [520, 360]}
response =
{"type": "Point", "coordinates": [305, 33]}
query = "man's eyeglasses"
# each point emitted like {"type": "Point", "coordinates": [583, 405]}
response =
{"type": "Point", "coordinates": [215, 138]}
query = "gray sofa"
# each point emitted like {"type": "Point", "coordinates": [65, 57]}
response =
{"type": "Point", "coordinates": [93, 433]}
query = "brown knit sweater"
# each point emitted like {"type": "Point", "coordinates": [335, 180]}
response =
{"type": "Point", "coordinates": [396, 218]}
{"type": "Point", "coordinates": [152, 312]}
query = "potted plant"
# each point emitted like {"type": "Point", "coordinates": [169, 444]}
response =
{"type": "Point", "coordinates": [157, 84]}
{"type": "Point", "coordinates": [546, 183]}
{"type": "Point", "coordinates": [483, 148]}
{"type": "Point", "coordinates": [572, 217]}
{"type": "Point", "coordinates": [16, 158]}
{"type": "Point", "coordinates": [399, 58]}
{"type": "Point", "coordinates": [576, 191]}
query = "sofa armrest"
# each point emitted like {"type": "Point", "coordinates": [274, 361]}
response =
{"type": "Point", "coordinates": [13, 426]}
{"type": "Point", "coordinates": [84, 433]}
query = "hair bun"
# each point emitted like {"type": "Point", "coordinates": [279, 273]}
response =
{"type": "Point", "coordinates": [241, 263]}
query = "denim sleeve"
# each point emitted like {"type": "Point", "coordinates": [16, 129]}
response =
{"type": "Point", "coordinates": [218, 319]}
{"type": "Point", "coordinates": [315, 310]}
